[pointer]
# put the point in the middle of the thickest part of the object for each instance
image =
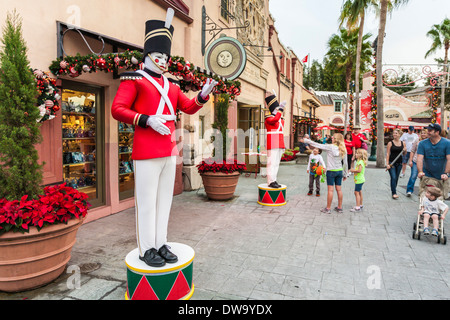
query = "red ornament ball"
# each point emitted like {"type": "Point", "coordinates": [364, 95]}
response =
{"type": "Point", "coordinates": [101, 63]}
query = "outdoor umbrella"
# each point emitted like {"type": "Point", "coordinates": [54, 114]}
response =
{"type": "Point", "coordinates": [325, 128]}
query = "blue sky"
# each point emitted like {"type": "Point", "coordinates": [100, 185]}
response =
{"type": "Point", "coordinates": [306, 26]}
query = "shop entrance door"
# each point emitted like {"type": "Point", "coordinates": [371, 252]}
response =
{"type": "Point", "coordinates": [249, 121]}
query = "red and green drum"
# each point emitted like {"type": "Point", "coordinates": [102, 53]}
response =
{"type": "Point", "coordinates": [171, 282]}
{"type": "Point", "coordinates": [271, 197]}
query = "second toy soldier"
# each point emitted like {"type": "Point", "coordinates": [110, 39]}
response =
{"type": "Point", "coordinates": [274, 124]}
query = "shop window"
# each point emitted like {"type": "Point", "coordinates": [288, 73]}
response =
{"type": "Point", "coordinates": [224, 9]}
{"type": "Point", "coordinates": [337, 106]}
{"type": "Point", "coordinates": [83, 141]}
{"type": "Point", "coordinates": [126, 169]}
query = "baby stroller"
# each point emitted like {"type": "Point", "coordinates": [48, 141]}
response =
{"type": "Point", "coordinates": [418, 226]}
{"type": "Point", "coordinates": [418, 229]}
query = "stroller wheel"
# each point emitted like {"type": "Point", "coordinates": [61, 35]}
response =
{"type": "Point", "coordinates": [414, 226]}
{"type": "Point", "coordinates": [444, 240]}
{"type": "Point", "coordinates": [416, 235]}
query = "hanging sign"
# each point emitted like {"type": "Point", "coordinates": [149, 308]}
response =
{"type": "Point", "coordinates": [226, 57]}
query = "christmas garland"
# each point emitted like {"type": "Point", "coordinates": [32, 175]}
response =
{"type": "Point", "coordinates": [351, 110]}
{"type": "Point", "coordinates": [434, 100]}
{"type": "Point", "coordinates": [48, 99]}
{"type": "Point", "coordinates": [190, 77]}
{"type": "Point", "coordinates": [374, 107]}
{"type": "Point", "coordinates": [313, 122]}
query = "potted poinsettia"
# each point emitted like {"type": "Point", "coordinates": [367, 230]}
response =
{"type": "Point", "coordinates": [38, 225]}
{"type": "Point", "coordinates": [220, 174]}
{"type": "Point", "coordinates": [289, 155]}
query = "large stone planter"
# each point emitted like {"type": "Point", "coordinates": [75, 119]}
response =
{"type": "Point", "coordinates": [36, 258]}
{"type": "Point", "coordinates": [220, 186]}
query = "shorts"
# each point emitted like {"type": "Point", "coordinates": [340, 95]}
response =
{"type": "Point", "coordinates": [334, 178]}
{"type": "Point", "coordinates": [405, 158]}
{"type": "Point", "coordinates": [433, 213]}
{"type": "Point", "coordinates": [358, 186]}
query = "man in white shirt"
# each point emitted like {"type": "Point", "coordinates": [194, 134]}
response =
{"type": "Point", "coordinates": [409, 138]}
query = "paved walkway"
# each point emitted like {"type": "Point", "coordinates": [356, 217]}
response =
{"type": "Point", "coordinates": [248, 251]}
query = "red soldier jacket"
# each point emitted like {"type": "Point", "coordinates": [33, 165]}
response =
{"type": "Point", "coordinates": [137, 99]}
{"type": "Point", "coordinates": [274, 130]}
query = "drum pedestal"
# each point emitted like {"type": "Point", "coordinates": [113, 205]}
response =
{"type": "Point", "coordinates": [170, 282]}
{"type": "Point", "coordinates": [271, 197]}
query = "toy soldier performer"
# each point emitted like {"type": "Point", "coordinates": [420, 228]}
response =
{"type": "Point", "coordinates": [274, 124]}
{"type": "Point", "coordinates": [149, 101]}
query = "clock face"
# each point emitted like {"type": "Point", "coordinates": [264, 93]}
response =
{"type": "Point", "coordinates": [226, 57]}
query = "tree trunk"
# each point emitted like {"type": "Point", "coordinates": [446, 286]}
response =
{"type": "Point", "coordinates": [346, 110]}
{"type": "Point", "coordinates": [380, 103]}
{"type": "Point", "coordinates": [348, 78]}
{"type": "Point", "coordinates": [358, 63]}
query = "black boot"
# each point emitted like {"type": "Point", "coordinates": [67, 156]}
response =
{"type": "Point", "coordinates": [152, 258]}
{"type": "Point", "coordinates": [274, 185]}
{"type": "Point", "coordinates": [165, 253]}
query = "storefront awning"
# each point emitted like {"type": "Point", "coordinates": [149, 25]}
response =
{"type": "Point", "coordinates": [404, 124]}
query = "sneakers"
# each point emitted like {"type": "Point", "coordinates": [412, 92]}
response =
{"type": "Point", "coordinates": [310, 193]}
{"type": "Point", "coordinates": [325, 210]}
{"type": "Point", "coordinates": [355, 209]}
{"type": "Point", "coordinates": [434, 232]}
{"type": "Point", "coordinates": [338, 210]}
{"type": "Point", "coordinates": [426, 231]}
{"type": "Point", "coordinates": [317, 194]}
{"type": "Point", "coordinates": [408, 194]}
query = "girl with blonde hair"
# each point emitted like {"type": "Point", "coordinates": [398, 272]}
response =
{"type": "Point", "coordinates": [336, 168]}
{"type": "Point", "coordinates": [360, 168]}
{"type": "Point", "coordinates": [394, 148]}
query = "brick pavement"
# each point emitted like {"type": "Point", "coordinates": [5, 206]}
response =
{"type": "Point", "coordinates": [248, 251]}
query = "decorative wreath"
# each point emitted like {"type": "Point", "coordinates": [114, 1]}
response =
{"type": "Point", "coordinates": [48, 99]}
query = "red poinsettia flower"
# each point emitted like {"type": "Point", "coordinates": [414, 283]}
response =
{"type": "Point", "coordinates": [228, 166]}
{"type": "Point", "coordinates": [58, 204]}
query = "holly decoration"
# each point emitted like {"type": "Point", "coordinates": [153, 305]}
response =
{"type": "Point", "coordinates": [48, 98]}
{"type": "Point", "coordinates": [190, 78]}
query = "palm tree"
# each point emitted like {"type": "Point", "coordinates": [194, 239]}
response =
{"type": "Point", "coordinates": [440, 35]}
{"type": "Point", "coordinates": [342, 49]}
{"type": "Point", "coordinates": [353, 14]}
{"type": "Point", "coordinates": [385, 6]}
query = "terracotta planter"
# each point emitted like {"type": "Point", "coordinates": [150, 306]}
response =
{"type": "Point", "coordinates": [36, 258]}
{"type": "Point", "coordinates": [220, 186]}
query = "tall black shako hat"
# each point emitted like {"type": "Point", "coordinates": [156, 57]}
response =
{"type": "Point", "coordinates": [158, 35]}
{"type": "Point", "coordinates": [272, 103]}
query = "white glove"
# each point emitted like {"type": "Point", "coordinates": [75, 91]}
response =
{"type": "Point", "coordinates": [158, 125]}
{"type": "Point", "coordinates": [282, 105]}
{"type": "Point", "coordinates": [208, 87]}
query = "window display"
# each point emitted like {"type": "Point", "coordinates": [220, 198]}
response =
{"type": "Point", "coordinates": [126, 174]}
{"type": "Point", "coordinates": [79, 129]}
